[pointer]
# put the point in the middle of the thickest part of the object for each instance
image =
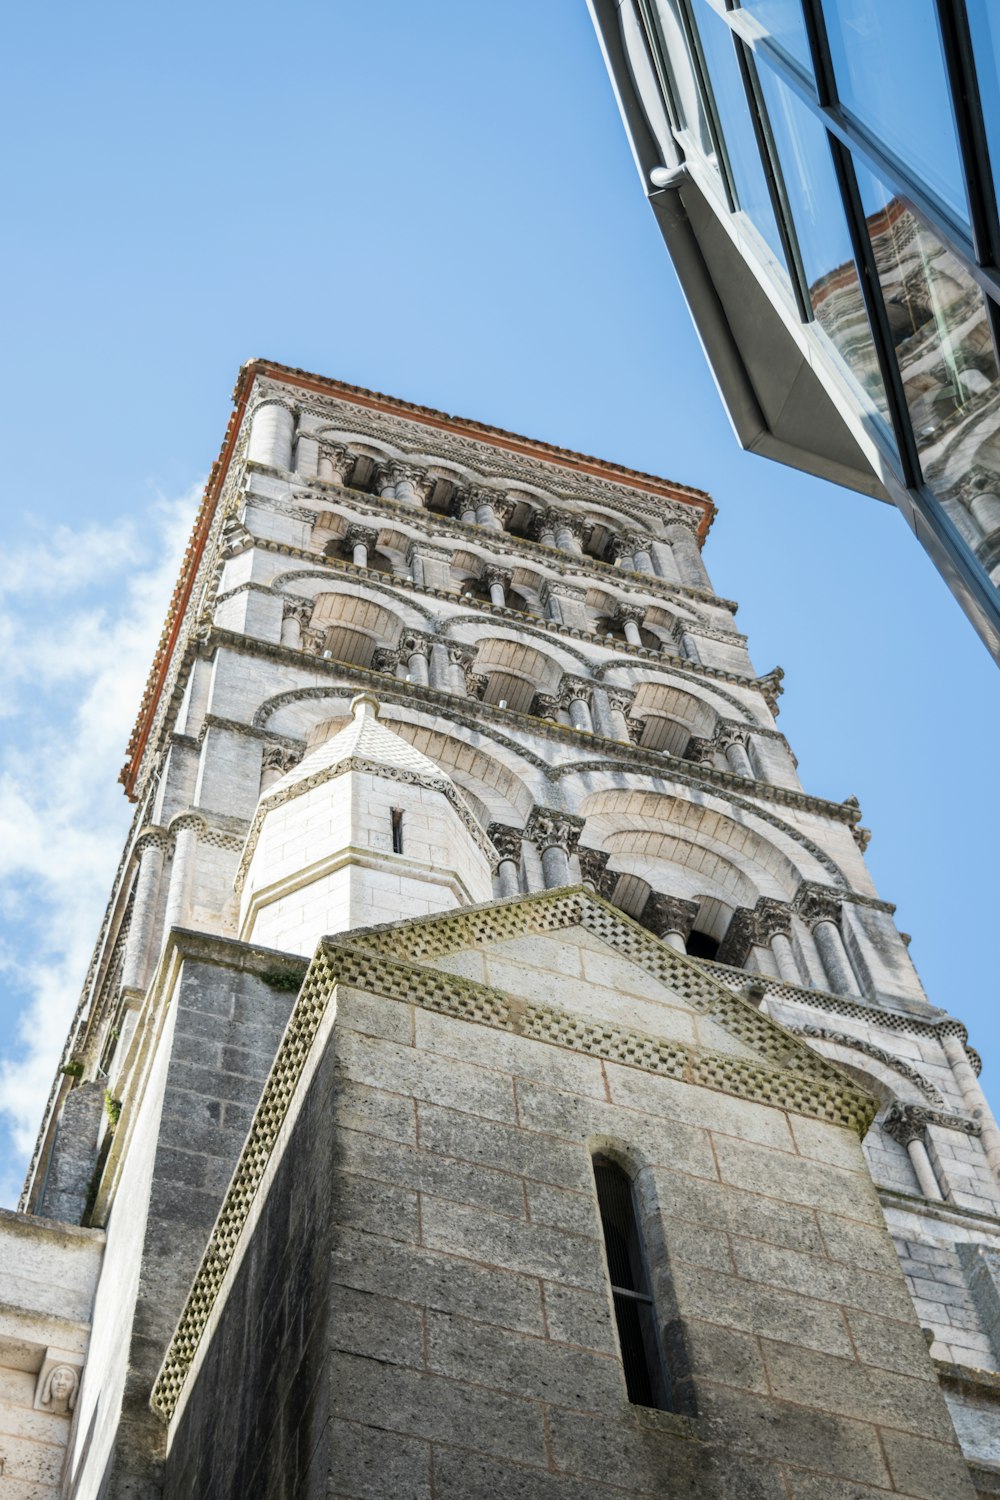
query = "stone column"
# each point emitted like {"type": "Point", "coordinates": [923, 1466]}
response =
{"type": "Point", "coordinates": [629, 617]}
{"type": "Point", "coordinates": [687, 554]}
{"type": "Point", "coordinates": [306, 456]}
{"type": "Point", "coordinates": [293, 623]}
{"type": "Point", "coordinates": [907, 1124]}
{"type": "Point", "coordinates": [733, 743]}
{"type": "Point", "coordinates": [642, 558]}
{"type": "Point", "coordinates": [383, 481]}
{"type": "Point", "coordinates": [618, 702]}
{"type": "Point", "coordinates": [184, 831]}
{"type": "Point", "coordinates": [461, 659]}
{"type": "Point", "coordinates": [334, 462]}
{"type": "Point", "coordinates": [272, 433]}
{"type": "Point", "coordinates": [498, 580]}
{"type": "Point", "coordinates": [362, 540]}
{"type": "Point", "coordinates": [492, 509]}
{"type": "Point", "coordinates": [507, 842]}
{"type": "Point", "coordinates": [773, 927]}
{"type": "Point", "coordinates": [543, 527]}
{"type": "Point", "coordinates": [821, 910]}
{"type": "Point", "coordinates": [568, 531]}
{"type": "Point", "coordinates": [671, 919]}
{"type": "Point", "coordinates": [619, 551]}
{"type": "Point", "coordinates": [975, 1103]}
{"type": "Point", "coordinates": [408, 483]}
{"type": "Point", "coordinates": [150, 847]}
{"type": "Point", "coordinates": [463, 505]}
{"type": "Point", "coordinates": [441, 674]}
{"type": "Point", "coordinates": [554, 834]}
{"type": "Point", "coordinates": [575, 696]}
{"type": "Point", "coordinates": [415, 652]}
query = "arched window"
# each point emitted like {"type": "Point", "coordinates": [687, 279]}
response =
{"type": "Point", "coordinates": [646, 1377]}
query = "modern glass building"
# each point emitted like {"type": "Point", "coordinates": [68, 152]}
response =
{"type": "Point", "coordinates": [825, 175]}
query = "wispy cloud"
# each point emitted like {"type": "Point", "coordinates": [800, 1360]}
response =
{"type": "Point", "coordinates": [80, 615]}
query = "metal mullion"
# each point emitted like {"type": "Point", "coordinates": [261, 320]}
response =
{"type": "Point", "coordinates": [871, 291]}
{"type": "Point", "coordinates": [656, 47]}
{"type": "Point", "coordinates": [819, 48]}
{"type": "Point", "coordinates": [624, 1291]}
{"type": "Point", "coordinates": [959, 57]}
{"type": "Point", "coordinates": [704, 80]}
{"type": "Point", "coordinates": [775, 181]}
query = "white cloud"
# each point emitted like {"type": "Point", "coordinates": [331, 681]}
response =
{"type": "Point", "coordinates": [79, 621]}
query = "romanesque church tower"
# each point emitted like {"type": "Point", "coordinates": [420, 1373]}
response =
{"type": "Point", "coordinates": [497, 1075]}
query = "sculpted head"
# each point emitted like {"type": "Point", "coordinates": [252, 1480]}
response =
{"type": "Point", "coordinates": [59, 1388]}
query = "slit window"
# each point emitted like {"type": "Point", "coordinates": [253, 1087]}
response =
{"type": "Point", "coordinates": [396, 816]}
{"type": "Point", "coordinates": [635, 1314]}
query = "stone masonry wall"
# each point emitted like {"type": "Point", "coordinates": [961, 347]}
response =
{"type": "Point", "coordinates": [424, 1309]}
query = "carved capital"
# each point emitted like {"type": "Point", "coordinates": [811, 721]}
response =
{"type": "Point", "coordinates": [461, 656]}
{"type": "Point", "coordinates": [635, 613]}
{"type": "Point", "coordinates": [506, 841]}
{"type": "Point", "coordinates": [619, 699]}
{"type": "Point", "coordinates": [475, 684]}
{"type": "Point", "coordinates": [492, 574]}
{"type": "Point", "coordinates": [568, 520]}
{"type": "Point", "coordinates": [545, 706]}
{"type": "Point", "coordinates": [907, 1122]}
{"type": "Point", "coordinates": [338, 454]}
{"type": "Point", "coordinates": [700, 751]}
{"type": "Point", "coordinates": [280, 758]}
{"type": "Point", "coordinates": [549, 829]}
{"type": "Point", "coordinates": [575, 690]}
{"type": "Point", "coordinates": [364, 536]}
{"type": "Point", "coordinates": [298, 609]}
{"type": "Point", "coordinates": [414, 644]}
{"type": "Point", "coordinates": [731, 734]}
{"type": "Point", "coordinates": [555, 588]}
{"type": "Point", "coordinates": [594, 870]}
{"type": "Point", "coordinates": [385, 658]}
{"type": "Point", "coordinates": [663, 914]}
{"type": "Point", "coordinates": [817, 903]}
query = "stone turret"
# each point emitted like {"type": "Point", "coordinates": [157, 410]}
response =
{"type": "Point", "coordinates": [365, 829]}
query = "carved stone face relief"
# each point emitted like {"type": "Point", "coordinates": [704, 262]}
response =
{"type": "Point", "coordinates": [59, 1388]}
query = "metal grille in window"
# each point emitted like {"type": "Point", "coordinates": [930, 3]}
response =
{"type": "Point", "coordinates": [638, 1326]}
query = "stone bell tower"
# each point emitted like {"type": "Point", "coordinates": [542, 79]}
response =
{"type": "Point", "coordinates": [496, 1074]}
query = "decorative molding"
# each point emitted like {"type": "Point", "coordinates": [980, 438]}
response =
{"type": "Point", "coordinates": [550, 828]}
{"type": "Point", "coordinates": [908, 1122]}
{"type": "Point", "coordinates": [888, 1059]}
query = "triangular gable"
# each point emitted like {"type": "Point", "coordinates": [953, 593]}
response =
{"type": "Point", "coordinates": [767, 1063]}
{"type": "Point", "coordinates": [771, 1065]}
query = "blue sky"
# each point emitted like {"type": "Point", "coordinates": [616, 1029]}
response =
{"type": "Point", "coordinates": [437, 201]}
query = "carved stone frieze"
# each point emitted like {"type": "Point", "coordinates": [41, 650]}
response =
{"type": "Point", "coordinates": [545, 706]}
{"type": "Point", "coordinates": [279, 758]}
{"type": "Point", "coordinates": [908, 1122]}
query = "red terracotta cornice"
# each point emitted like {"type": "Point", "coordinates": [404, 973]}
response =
{"type": "Point", "coordinates": [302, 380]}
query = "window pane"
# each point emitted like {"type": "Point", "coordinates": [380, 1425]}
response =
{"type": "Point", "coordinates": [891, 75]}
{"type": "Point", "coordinates": [781, 21]}
{"type": "Point", "coordinates": [824, 240]}
{"type": "Point", "coordinates": [984, 23]}
{"type": "Point", "coordinates": [945, 351]}
{"type": "Point", "coordinates": [737, 127]}
{"type": "Point", "coordinates": [681, 77]}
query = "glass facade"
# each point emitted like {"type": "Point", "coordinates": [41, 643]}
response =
{"type": "Point", "coordinates": [861, 140]}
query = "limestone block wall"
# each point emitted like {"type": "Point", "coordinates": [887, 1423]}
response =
{"type": "Point", "coordinates": [444, 1325]}
{"type": "Point", "coordinates": [50, 1272]}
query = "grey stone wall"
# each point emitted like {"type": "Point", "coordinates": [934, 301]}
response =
{"type": "Point", "coordinates": [424, 1310]}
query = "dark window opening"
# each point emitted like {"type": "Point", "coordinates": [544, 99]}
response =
{"type": "Point", "coordinates": [700, 945]}
{"type": "Point", "coordinates": [638, 1330]}
{"type": "Point", "coordinates": [397, 830]}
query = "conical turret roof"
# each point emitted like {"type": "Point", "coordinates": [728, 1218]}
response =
{"type": "Point", "coordinates": [365, 739]}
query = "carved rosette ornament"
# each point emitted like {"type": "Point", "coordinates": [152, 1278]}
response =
{"type": "Point", "coordinates": [663, 914]}
{"type": "Point", "coordinates": [549, 829]}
